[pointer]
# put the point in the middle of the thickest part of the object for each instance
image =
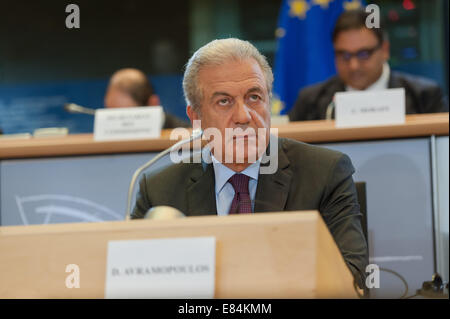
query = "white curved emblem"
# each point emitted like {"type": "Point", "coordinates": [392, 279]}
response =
{"type": "Point", "coordinates": [53, 208]}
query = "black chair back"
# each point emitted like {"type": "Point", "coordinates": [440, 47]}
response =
{"type": "Point", "coordinates": [362, 200]}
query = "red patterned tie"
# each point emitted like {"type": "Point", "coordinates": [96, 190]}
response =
{"type": "Point", "coordinates": [241, 203]}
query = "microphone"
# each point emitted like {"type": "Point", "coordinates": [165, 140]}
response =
{"type": "Point", "coordinates": [330, 109]}
{"type": "Point", "coordinates": [74, 108]}
{"type": "Point", "coordinates": [163, 212]}
{"type": "Point", "coordinates": [195, 135]}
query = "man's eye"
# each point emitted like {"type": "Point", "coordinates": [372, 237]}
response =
{"type": "Point", "coordinates": [254, 98]}
{"type": "Point", "coordinates": [363, 54]}
{"type": "Point", "coordinates": [223, 102]}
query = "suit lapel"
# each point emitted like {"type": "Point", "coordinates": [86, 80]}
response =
{"type": "Point", "coordinates": [272, 190]}
{"type": "Point", "coordinates": [200, 193]}
{"type": "Point", "coordinates": [395, 82]}
{"type": "Point", "coordinates": [334, 86]}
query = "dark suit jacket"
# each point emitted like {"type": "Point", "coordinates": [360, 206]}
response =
{"type": "Point", "coordinates": [308, 178]}
{"type": "Point", "coordinates": [171, 121]}
{"type": "Point", "coordinates": [421, 96]}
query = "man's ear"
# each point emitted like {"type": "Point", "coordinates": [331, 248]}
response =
{"type": "Point", "coordinates": [192, 114]}
{"type": "Point", "coordinates": [153, 100]}
{"type": "Point", "coordinates": [386, 48]}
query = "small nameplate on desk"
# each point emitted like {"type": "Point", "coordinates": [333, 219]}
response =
{"type": "Point", "coordinates": [370, 108]}
{"type": "Point", "coordinates": [128, 123]}
{"type": "Point", "coordinates": [161, 268]}
{"type": "Point", "coordinates": [15, 136]}
{"type": "Point", "coordinates": [51, 132]}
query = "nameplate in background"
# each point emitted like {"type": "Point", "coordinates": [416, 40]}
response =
{"type": "Point", "coordinates": [161, 268]}
{"type": "Point", "coordinates": [128, 123]}
{"type": "Point", "coordinates": [370, 108]}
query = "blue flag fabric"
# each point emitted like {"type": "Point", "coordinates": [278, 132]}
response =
{"type": "Point", "coordinates": [305, 50]}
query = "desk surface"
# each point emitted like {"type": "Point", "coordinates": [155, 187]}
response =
{"type": "Point", "coordinates": [311, 132]}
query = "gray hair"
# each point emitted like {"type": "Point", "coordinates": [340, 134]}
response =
{"type": "Point", "coordinates": [216, 53]}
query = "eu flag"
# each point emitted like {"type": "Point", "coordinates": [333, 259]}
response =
{"type": "Point", "coordinates": [305, 49]}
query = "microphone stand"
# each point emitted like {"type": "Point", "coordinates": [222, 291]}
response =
{"type": "Point", "coordinates": [329, 111]}
{"type": "Point", "coordinates": [195, 135]}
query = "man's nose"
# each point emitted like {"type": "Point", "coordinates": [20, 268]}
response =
{"type": "Point", "coordinates": [353, 63]}
{"type": "Point", "coordinates": [241, 114]}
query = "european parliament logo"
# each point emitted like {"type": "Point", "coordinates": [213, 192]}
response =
{"type": "Point", "coordinates": [55, 208]}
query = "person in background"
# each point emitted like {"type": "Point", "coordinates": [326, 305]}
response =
{"type": "Point", "coordinates": [130, 88]}
{"type": "Point", "coordinates": [361, 56]}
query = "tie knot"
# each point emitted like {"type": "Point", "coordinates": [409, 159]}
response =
{"type": "Point", "coordinates": [239, 183]}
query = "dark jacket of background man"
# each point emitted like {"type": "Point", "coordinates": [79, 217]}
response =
{"type": "Point", "coordinates": [360, 54]}
{"type": "Point", "coordinates": [421, 96]}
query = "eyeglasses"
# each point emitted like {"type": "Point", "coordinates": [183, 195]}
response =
{"type": "Point", "coordinates": [361, 55]}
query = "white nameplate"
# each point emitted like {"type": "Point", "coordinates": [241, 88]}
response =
{"type": "Point", "coordinates": [161, 268]}
{"type": "Point", "coordinates": [128, 123]}
{"type": "Point", "coordinates": [370, 108]}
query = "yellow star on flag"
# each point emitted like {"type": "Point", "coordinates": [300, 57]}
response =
{"type": "Point", "coordinates": [280, 32]}
{"type": "Point", "coordinates": [298, 8]}
{"type": "Point", "coordinates": [352, 5]}
{"type": "Point", "coordinates": [322, 3]}
{"type": "Point", "coordinates": [277, 106]}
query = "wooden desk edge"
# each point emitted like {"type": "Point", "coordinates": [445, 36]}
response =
{"type": "Point", "coordinates": [310, 132]}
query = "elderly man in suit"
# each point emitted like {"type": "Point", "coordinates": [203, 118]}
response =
{"type": "Point", "coordinates": [227, 84]}
{"type": "Point", "coordinates": [361, 56]}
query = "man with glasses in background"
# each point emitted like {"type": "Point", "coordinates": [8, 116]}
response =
{"type": "Point", "coordinates": [361, 56]}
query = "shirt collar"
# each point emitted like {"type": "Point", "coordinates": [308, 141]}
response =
{"type": "Point", "coordinates": [381, 84]}
{"type": "Point", "coordinates": [222, 173]}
